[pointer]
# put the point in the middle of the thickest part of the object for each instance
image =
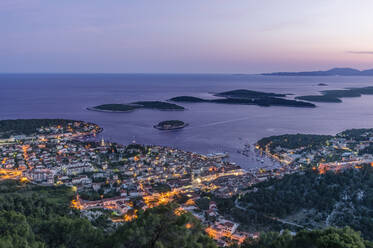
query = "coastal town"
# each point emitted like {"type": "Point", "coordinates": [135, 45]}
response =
{"type": "Point", "coordinates": [348, 149]}
{"type": "Point", "coordinates": [125, 179]}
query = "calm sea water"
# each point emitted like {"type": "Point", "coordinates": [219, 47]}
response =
{"type": "Point", "coordinates": [213, 127]}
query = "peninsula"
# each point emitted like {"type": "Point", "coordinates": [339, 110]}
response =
{"type": "Point", "coordinates": [115, 107]}
{"type": "Point", "coordinates": [19, 128]}
{"type": "Point", "coordinates": [170, 125]}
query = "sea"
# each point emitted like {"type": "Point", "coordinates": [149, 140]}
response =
{"type": "Point", "coordinates": [212, 127]}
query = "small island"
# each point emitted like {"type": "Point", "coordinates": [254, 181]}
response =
{"type": "Point", "coordinates": [137, 105]}
{"type": "Point", "coordinates": [187, 99]}
{"type": "Point", "coordinates": [170, 125]}
{"type": "Point", "coordinates": [242, 93]}
{"type": "Point", "coordinates": [113, 108]}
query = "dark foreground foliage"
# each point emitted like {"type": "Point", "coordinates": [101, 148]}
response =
{"type": "Point", "coordinates": [345, 197]}
{"type": "Point", "coordinates": [37, 217]}
{"type": "Point", "coordinates": [327, 238]}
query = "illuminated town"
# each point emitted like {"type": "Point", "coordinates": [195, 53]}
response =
{"type": "Point", "coordinates": [348, 149]}
{"type": "Point", "coordinates": [124, 179]}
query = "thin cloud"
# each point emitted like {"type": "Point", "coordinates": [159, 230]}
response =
{"type": "Point", "coordinates": [360, 52]}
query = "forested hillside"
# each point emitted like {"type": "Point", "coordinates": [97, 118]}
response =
{"type": "Point", "coordinates": [314, 201]}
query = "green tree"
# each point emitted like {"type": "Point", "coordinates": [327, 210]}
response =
{"type": "Point", "coordinates": [161, 228]}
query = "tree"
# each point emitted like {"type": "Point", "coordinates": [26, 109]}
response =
{"type": "Point", "coordinates": [326, 238]}
{"type": "Point", "coordinates": [160, 227]}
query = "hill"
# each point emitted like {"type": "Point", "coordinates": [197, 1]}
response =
{"type": "Point", "coordinates": [37, 216]}
{"type": "Point", "coordinates": [313, 200]}
{"type": "Point", "coordinates": [330, 237]}
{"type": "Point", "coordinates": [331, 72]}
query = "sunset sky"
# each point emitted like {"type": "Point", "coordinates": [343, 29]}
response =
{"type": "Point", "coordinates": [172, 36]}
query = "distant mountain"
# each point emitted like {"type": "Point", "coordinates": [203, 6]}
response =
{"type": "Point", "coordinates": [331, 72]}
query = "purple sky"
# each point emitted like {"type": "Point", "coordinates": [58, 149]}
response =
{"type": "Point", "coordinates": [235, 36]}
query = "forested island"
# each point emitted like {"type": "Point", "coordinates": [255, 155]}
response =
{"type": "Point", "coordinates": [170, 125]}
{"type": "Point", "coordinates": [187, 99]}
{"type": "Point", "coordinates": [159, 105]}
{"type": "Point", "coordinates": [247, 97]}
{"type": "Point", "coordinates": [241, 93]}
{"type": "Point", "coordinates": [336, 95]}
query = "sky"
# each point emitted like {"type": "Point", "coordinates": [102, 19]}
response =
{"type": "Point", "coordinates": [190, 36]}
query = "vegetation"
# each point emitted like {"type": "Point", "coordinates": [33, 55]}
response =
{"type": "Point", "coordinates": [92, 195]}
{"type": "Point", "coordinates": [116, 107]}
{"type": "Point", "coordinates": [315, 200]}
{"type": "Point", "coordinates": [161, 227]}
{"type": "Point", "coordinates": [248, 94]}
{"type": "Point", "coordinates": [364, 90]}
{"type": "Point", "coordinates": [158, 105]}
{"type": "Point", "coordinates": [138, 105]}
{"type": "Point", "coordinates": [161, 187]}
{"type": "Point", "coordinates": [260, 99]}
{"type": "Point", "coordinates": [265, 102]}
{"type": "Point", "coordinates": [293, 141]}
{"type": "Point", "coordinates": [341, 93]}
{"type": "Point", "coordinates": [27, 126]}
{"type": "Point", "coordinates": [326, 238]}
{"type": "Point", "coordinates": [187, 99]}
{"type": "Point", "coordinates": [37, 217]}
{"type": "Point", "coordinates": [203, 203]}
{"type": "Point", "coordinates": [356, 134]}
{"type": "Point", "coordinates": [172, 124]}
{"type": "Point", "coordinates": [319, 98]}
{"type": "Point", "coordinates": [335, 95]}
